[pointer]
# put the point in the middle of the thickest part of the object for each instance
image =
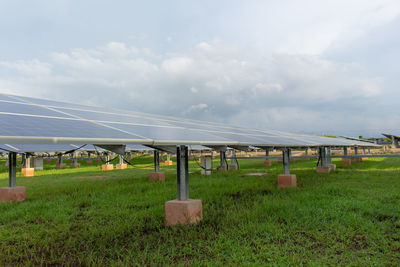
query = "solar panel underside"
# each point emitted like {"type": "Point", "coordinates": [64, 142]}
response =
{"type": "Point", "coordinates": [38, 121]}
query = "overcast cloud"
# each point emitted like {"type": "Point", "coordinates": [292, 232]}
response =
{"type": "Point", "coordinates": [324, 67]}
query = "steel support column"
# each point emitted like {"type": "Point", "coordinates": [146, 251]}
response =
{"type": "Point", "coordinates": [59, 158]}
{"type": "Point", "coordinates": [12, 166]}
{"type": "Point", "coordinates": [286, 160]}
{"type": "Point", "coordinates": [355, 150]}
{"type": "Point", "coordinates": [328, 155]}
{"type": "Point", "coordinates": [322, 155]}
{"type": "Point", "coordinates": [233, 159]}
{"type": "Point", "coordinates": [182, 172]}
{"type": "Point", "coordinates": [156, 160]}
{"type": "Point", "coordinates": [395, 142]}
{"type": "Point", "coordinates": [23, 160]}
{"type": "Point", "coordinates": [345, 151]}
{"type": "Point", "coordinates": [222, 158]}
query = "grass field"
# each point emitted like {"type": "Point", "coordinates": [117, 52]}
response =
{"type": "Point", "coordinates": [87, 217]}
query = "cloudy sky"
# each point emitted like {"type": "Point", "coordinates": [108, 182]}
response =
{"type": "Point", "coordinates": [311, 66]}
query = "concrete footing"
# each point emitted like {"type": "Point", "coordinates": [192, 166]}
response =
{"type": "Point", "coordinates": [157, 176]}
{"type": "Point", "coordinates": [267, 162]}
{"type": "Point", "coordinates": [356, 159]}
{"type": "Point", "coordinates": [183, 212]}
{"type": "Point", "coordinates": [75, 165]}
{"type": "Point", "coordinates": [222, 168]}
{"type": "Point", "coordinates": [121, 166]}
{"type": "Point", "coordinates": [61, 165]}
{"type": "Point", "coordinates": [28, 172]}
{"type": "Point", "coordinates": [287, 180]}
{"type": "Point", "coordinates": [332, 166]}
{"type": "Point", "coordinates": [107, 167]}
{"type": "Point", "coordinates": [323, 169]}
{"type": "Point", "coordinates": [89, 162]}
{"type": "Point", "coordinates": [233, 167]}
{"type": "Point", "coordinates": [346, 162]}
{"type": "Point", "coordinates": [168, 163]}
{"type": "Point", "coordinates": [8, 194]}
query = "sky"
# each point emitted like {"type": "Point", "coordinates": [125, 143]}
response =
{"type": "Point", "coordinates": [311, 66]}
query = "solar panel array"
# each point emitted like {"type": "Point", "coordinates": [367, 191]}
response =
{"type": "Point", "coordinates": [31, 121]}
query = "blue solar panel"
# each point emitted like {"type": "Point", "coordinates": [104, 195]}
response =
{"type": "Point", "coordinates": [13, 125]}
{"type": "Point", "coordinates": [74, 121]}
{"type": "Point", "coordinates": [30, 110]}
{"type": "Point", "coordinates": [167, 133]}
{"type": "Point", "coordinates": [102, 116]}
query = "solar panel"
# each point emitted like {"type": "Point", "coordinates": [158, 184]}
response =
{"type": "Point", "coordinates": [32, 121]}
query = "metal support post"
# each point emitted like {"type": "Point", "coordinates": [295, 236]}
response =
{"type": "Point", "coordinates": [12, 166]}
{"type": "Point", "coordinates": [107, 158]}
{"type": "Point", "coordinates": [328, 155]}
{"type": "Point", "coordinates": [364, 150]}
{"type": "Point", "coordinates": [395, 142]}
{"type": "Point", "coordinates": [267, 153]}
{"type": "Point", "coordinates": [369, 150]}
{"type": "Point", "coordinates": [286, 160]}
{"type": "Point", "coordinates": [345, 151]}
{"type": "Point", "coordinates": [75, 159]}
{"type": "Point", "coordinates": [88, 155]}
{"type": "Point", "coordinates": [306, 151]}
{"type": "Point", "coordinates": [156, 160]}
{"type": "Point", "coordinates": [182, 172]}
{"type": "Point", "coordinates": [233, 159]}
{"type": "Point", "coordinates": [322, 154]}
{"type": "Point", "coordinates": [59, 158]}
{"type": "Point", "coordinates": [23, 159]}
{"type": "Point", "coordinates": [222, 157]}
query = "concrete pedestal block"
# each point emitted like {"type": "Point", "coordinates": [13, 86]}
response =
{"type": "Point", "coordinates": [157, 176]}
{"type": "Point", "coordinates": [28, 172]}
{"type": "Point", "coordinates": [233, 167]}
{"type": "Point", "coordinates": [61, 165]}
{"type": "Point", "coordinates": [222, 168]}
{"type": "Point", "coordinates": [287, 180]}
{"type": "Point", "coordinates": [267, 162]}
{"type": "Point", "coordinates": [356, 159]}
{"type": "Point", "coordinates": [323, 169]}
{"type": "Point", "coordinates": [168, 163]}
{"type": "Point", "coordinates": [8, 194]}
{"type": "Point", "coordinates": [107, 167]}
{"type": "Point", "coordinates": [332, 166]}
{"type": "Point", "coordinates": [75, 165]}
{"type": "Point", "coordinates": [183, 212]}
{"type": "Point", "coordinates": [89, 162]}
{"type": "Point", "coordinates": [346, 162]}
{"type": "Point", "coordinates": [121, 166]}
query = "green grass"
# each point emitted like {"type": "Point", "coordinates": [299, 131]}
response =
{"type": "Point", "coordinates": [88, 217]}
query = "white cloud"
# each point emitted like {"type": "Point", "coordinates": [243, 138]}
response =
{"type": "Point", "coordinates": [290, 92]}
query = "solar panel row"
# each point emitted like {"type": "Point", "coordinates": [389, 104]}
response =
{"type": "Point", "coordinates": [37, 121]}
